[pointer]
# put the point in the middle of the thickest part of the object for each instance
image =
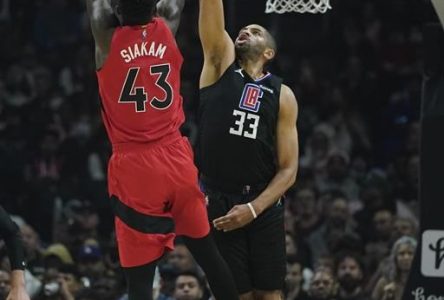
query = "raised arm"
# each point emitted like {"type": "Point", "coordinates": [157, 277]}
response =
{"type": "Point", "coordinates": [171, 11]}
{"type": "Point", "coordinates": [103, 21]}
{"type": "Point", "coordinates": [218, 48]}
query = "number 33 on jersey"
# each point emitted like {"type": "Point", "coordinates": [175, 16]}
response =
{"type": "Point", "coordinates": [250, 101]}
{"type": "Point", "coordinates": [238, 119]}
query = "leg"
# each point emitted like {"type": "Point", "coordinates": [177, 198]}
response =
{"type": "Point", "coordinates": [140, 281]}
{"type": "Point", "coordinates": [267, 258]}
{"type": "Point", "coordinates": [208, 257]}
{"type": "Point", "coordinates": [232, 245]}
{"type": "Point", "coordinates": [190, 215]}
{"type": "Point", "coordinates": [268, 295]}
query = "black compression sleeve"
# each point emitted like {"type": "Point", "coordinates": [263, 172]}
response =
{"type": "Point", "coordinates": [219, 275]}
{"type": "Point", "coordinates": [9, 231]}
{"type": "Point", "coordinates": [140, 281]}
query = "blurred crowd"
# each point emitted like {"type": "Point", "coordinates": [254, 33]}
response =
{"type": "Point", "coordinates": [351, 218]}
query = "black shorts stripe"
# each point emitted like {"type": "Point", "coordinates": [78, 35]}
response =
{"type": "Point", "coordinates": [139, 221]}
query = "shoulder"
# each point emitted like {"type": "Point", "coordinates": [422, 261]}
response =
{"type": "Point", "coordinates": [232, 74]}
{"type": "Point", "coordinates": [160, 21]}
{"type": "Point", "coordinates": [287, 93]}
{"type": "Point", "coordinates": [287, 99]}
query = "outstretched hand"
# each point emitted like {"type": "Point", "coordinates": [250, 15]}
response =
{"type": "Point", "coordinates": [237, 217]}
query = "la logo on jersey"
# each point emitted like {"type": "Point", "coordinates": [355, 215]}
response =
{"type": "Point", "coordinates": [250, 97]}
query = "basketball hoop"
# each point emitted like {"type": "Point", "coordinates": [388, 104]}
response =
{"type": "Point", "coordinates": [300, 6]}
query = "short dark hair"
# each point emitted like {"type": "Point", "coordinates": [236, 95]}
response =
{"type": "Point", "coordinates": [349, 254]}
{"type": "Point", "coordinates": [195, 274]}
{"type": "Point", "coordinates": [271, 42]}
{"type": "Point", "coordinates": [294, 259]}
{"type": "Point", "coordinates": [137, 12]}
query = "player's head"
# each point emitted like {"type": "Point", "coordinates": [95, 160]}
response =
{"type": "Point", "coordinates": [134, 12]}
{"type": "Point", "coordinates": [254, 42]}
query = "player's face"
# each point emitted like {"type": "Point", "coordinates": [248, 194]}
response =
{"type": "Point", "coordinates": [251, 40]}
{"type": "Point", "coordinates": [250, 33]}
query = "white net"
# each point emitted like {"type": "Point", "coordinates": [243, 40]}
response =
{"type": "Point", "coordinates": [300, 6]}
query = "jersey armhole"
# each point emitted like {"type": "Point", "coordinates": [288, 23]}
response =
{"type": "Point", "coordinates": [113, 36]}
{"type": "Point", "coordinates": [279, 83]}
{"type": "Point", "coordinates": [231, 67]}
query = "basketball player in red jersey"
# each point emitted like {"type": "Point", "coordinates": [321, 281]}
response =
{"type": "Point", "coordinates": [152, 180]}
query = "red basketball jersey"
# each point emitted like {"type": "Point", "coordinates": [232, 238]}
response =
{"type": "Point", "coordinates": [139, 84]}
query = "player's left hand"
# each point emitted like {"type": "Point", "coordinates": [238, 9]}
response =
{"type": "Point", "coordinates": [237, 217]}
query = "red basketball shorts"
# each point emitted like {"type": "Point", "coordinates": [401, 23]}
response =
{"type": "Point", "coordinates": [155, 195]}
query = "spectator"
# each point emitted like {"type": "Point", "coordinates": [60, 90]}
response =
{"type": "Point", "coordinates": [33, 249]}
{"type": "Point", "coordinates": [57, 255]}
{"type": "Point", "coordinates": [294, 280]}
{"type": "Point", "coordinates": [90, 263]}
{"type": "Point", "coordinates": [189, 286]}
{"type": "Point", "coordinates": [403, 227]}
{"type": "Point", "coordinates": [338, 223]}
{"type": "Point", "coordinates": [5, 286]}
{"type": "Point", "coordinates": [322, 286]}
{"type": "Point", "coordinates": [181, 259]}
{"type": "Point", "coordinates": [307, 210]}
{"type": "Point", "coordinates": [350, 274]}
{"type": "Point", "coordinates": [337, 175]}
{"type": "Point", "coordinates": [391, 285]}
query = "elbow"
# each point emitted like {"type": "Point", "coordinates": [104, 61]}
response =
{"type": "Point", "coordinates": [170, 10]}
{"type": "Point", "coordinates": [292, 172]}
{"type": "Point", "coordinates": [292, 179]}
{"type": "Point", "coordinates": [172, 16]}
{"type": "Point", "coordinates": [176, 12]}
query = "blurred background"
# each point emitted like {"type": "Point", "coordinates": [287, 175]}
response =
{"type": "Point", "coordinates": [356, 72]}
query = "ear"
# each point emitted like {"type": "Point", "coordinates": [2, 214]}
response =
{"type": "Point", "coordinates": [269, 54]}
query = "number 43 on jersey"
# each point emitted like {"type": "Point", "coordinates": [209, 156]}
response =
{"type": "Point", "coordinates": [138, 96]}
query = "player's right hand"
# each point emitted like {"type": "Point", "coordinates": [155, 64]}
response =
{"type": "Point", "coordinates": [237, 217]}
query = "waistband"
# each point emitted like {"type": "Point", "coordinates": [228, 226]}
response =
{"type": "Point", "coordinates": [232, 188]}
{"type": "Point", "coordinates": [163, 141]}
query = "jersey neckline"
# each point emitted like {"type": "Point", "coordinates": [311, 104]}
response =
{"type": "Point", "coordinates": [243, 73]}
